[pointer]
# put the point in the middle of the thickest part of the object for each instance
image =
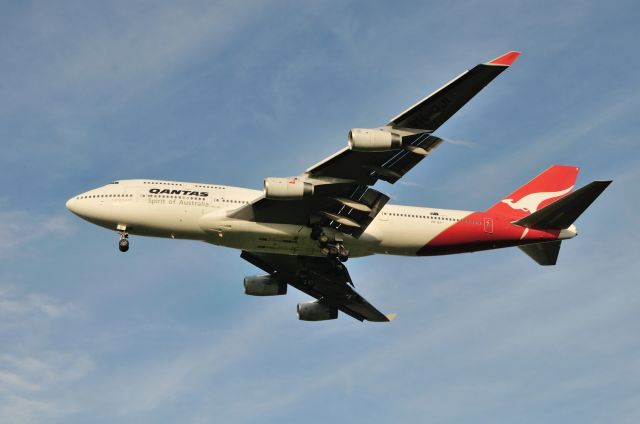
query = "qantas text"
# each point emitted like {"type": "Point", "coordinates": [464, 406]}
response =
{"type": "Point", "coordinates": [179, 192]}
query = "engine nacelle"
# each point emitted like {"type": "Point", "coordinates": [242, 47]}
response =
{"type": "Point", "coordinates": [373, 140]}
{"type": "Point", "coordinates": [287, 188]}
{"type": "Point", "coordinates": [314, 311]}
{"type": "Point", "coordinates": [264, 285]}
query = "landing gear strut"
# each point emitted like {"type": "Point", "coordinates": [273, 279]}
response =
{"type": "Point", "coordinates": [123, 244]}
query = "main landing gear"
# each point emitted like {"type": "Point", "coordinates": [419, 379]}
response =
{"type": "Point", "coordinates": [123, 244]}
{"type": "Point", "coordinates": [332, 248]}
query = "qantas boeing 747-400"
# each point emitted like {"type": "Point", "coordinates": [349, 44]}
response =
{"type": "Point", "coordinates": [301, 230]}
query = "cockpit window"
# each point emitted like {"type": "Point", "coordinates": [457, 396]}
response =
{"type": "Point", "coordinates": [116, 182]}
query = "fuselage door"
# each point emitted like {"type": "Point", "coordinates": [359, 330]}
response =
{"type": "Point", "coordinates": [488, 225]}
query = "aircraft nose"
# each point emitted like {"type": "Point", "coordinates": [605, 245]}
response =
{"type": "Point", "coordinates": [71, 204]}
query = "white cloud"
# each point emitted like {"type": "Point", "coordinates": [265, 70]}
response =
{"type": "Point", "coordinates": [79, 65]}
{"type": "Point", "coordinates": [33, 386]}
{"type": "Point", "coordinates": [21, 374]}
{"type": "Point", "coordinates": [33, 374]}
{"type": "Point", "coordinates": [465, 143]}
{"type": "Point", "coordinates": [166, 379]}
{"type": "Point", "coordinates": [116, 50]}
{"type": "Point", "coordinates": [18, 307]}
{"type": "Point", "coordinates": [580, 134]}
{"type": "Point", "coordinates": [21, 228]}
{"type": "Point", "coordinates": [26, 315]}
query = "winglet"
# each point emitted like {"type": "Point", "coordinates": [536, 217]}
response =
{"type": "Point", "coordinates": [506, 59]}
{"type": "Point", "coordinates": [391, 317]}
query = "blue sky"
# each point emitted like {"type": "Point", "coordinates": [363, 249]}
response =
{"type": "Point", "coordinates": [232, 92]}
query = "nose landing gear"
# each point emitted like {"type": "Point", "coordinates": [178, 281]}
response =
{"type": "Point", "coordinates": [123, 244]}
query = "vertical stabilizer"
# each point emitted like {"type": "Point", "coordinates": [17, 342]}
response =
{"type": "Point", "coordinates": [551, 185]}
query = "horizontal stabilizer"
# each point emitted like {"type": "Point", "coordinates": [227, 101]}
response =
{"type": "Point", "coordinates": [543, 253]}
{"type": "Point", "coordinates": [562, 213]}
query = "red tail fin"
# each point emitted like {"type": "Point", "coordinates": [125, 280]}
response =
{"type": "Point", "coordinates": [551, 185]}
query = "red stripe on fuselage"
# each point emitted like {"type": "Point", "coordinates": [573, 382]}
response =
{"type": "Point", "coordinates": [492, 232]}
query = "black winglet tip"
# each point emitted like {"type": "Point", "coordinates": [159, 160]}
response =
{"type": "Point", "coordinates": [604, 183]}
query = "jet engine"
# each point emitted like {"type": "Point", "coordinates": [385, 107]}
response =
{"type": "Point", "coordinates": [314, 311]}
{"type": "Point", "coordinates": [264, 285]}
{"type": "Point", "coordinates": [373, 140]}
{"type": "Point", "coordinates": [286, 188]}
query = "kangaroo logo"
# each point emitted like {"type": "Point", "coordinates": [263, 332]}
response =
{"type": "Point", "coordinates": [531, 202]}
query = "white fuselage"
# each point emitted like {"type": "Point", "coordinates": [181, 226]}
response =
{"type": "Point", "coordinates": [199, 212]}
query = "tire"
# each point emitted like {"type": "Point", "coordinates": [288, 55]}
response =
{"type": "Point", "coordinates": [123, 245]}
{"type": "Point", "coordinates": [343, 254]}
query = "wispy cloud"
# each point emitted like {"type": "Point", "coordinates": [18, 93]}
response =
{"type": "Point", "coordinates": [31, 385]}
{"type": "Point", "coordinates": [190, 370]}
{"type": "Point", "coordinates": [20, 228]}
{"type": "Point", "coordinates": [584, 131]}
{"type": "Point", "coordinates": [34, 374]}
{"type": "Point", "coordinates": [16, 306]}
{"type": "Point", "coordinates": [80, 66]}
{"type": "Point", "coordinates": [408, 183]}
{"type": "Point", "coordinates": [116, 53]}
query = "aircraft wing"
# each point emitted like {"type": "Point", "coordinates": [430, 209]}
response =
{"type": "Point", "coordinates": [369, 167]}
{"type": "Point", "coordinates": [434, 110]}
{"type": "Point", "coordinates": [347, 207]}
{"type": "Point", "coordinates": [323, 278]}
{"type": "Point", "coordinates": [421, 119]}
{"type": "Point", "coordinates": [342, 196]}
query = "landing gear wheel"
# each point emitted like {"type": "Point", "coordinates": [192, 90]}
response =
{"type": "Point", "coordinates": [123, 245]}
{"type": "Point", "coordinates": [323, 239]}
{"type": "Point", "coordinates": [333, 251]}
{"type": "Point", "coordinates": [343, 254]}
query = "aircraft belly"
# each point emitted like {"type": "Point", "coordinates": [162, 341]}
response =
{"type": "Point", "coordinates": [150, 220]}
{"type": "Point", "coordinates": [248, 235]}
{"type": "Point", "coordinates": [272, 238]}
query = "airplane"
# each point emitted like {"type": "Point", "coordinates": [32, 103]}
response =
{"type": "Point", "coordinates": [301, 230]}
